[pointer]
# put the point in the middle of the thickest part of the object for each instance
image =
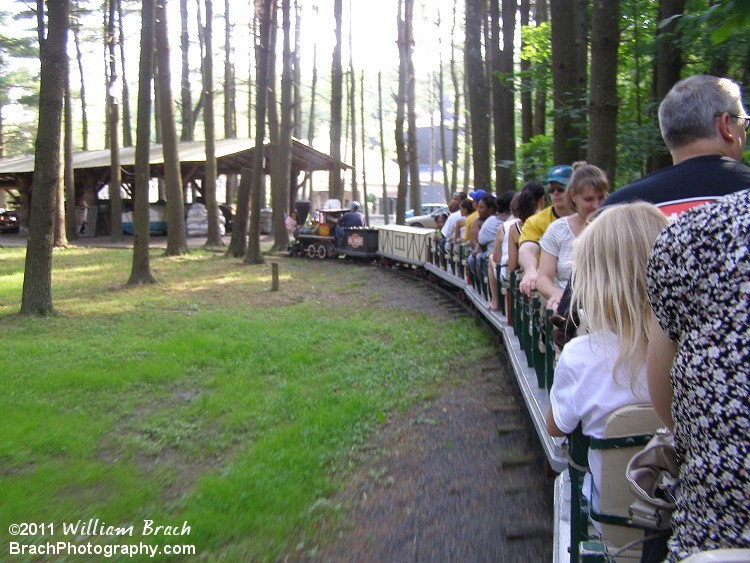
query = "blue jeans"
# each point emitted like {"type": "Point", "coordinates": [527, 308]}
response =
{"type": "Point", "coordinates": [340, 236]}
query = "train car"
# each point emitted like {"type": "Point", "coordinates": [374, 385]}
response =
{"type": "Point", "coordinates": [520, 323]}
{"type": "Point", "coordinates": [359, 243]}
{"type": "Point", "coordinates": [580, 533]}
{"type": "Point", "coordinates": [404, 245]}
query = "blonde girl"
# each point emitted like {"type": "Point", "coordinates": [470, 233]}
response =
{"type": "Point", "coordinates": [606, 369]}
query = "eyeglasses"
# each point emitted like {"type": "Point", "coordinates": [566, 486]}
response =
{"type": "Point", "coordinates": [745, 118]}
{"type": "Point", "coordinates": [557, 188]}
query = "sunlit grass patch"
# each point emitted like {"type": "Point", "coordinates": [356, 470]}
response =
{"type": "Point", "coordinates": [205, 397]}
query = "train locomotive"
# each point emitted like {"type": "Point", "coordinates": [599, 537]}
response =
{"type": "Point", "coordinates": [314, 235]}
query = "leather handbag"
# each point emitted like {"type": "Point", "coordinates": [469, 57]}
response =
{"type": "Point", "coordinates": [654, 477]}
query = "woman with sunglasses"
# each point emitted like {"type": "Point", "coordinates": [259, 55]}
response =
{"type": "Point", "coordinates": [584, 194]}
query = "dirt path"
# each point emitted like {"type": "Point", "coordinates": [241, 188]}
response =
{"type": "Point", "coordinates": [458, 477]}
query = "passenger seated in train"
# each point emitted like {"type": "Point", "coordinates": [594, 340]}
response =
{"type": "Point", "coordinates": [474, 197]}
{"type": "Point", "coordinates": [534, 227]}
{"type": "Point", "coordinates": [527, 203]}
{"type": "Point", "coordinates": [586, 190]}
{"type": "Point", "coordinates": [605, 369]}
{"type": "Point", "coordinates": [467, 208]}
{"type": "Point", "coordinates": [438, 236]}
{"type": "Point", "coordinates": [487, 209]}
{"type": "Point", "coordinates": [491, 226]}
{"type": "Point", "coordinates": [698, 370]}
{"type": "Point", "coordinates": [524, 204]}
{"type": "Point", "coordinates": [352, 218]}
{"type": "Point", "coordinates": [497, 250]}
{"type": "Point", "coordinates": [449, 229]}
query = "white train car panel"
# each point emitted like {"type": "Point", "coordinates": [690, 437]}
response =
{"type": "Point", "coordinates": [404, 244]}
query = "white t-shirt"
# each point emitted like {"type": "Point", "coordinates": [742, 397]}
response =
{"type": "Point", "coordinates": [506, 238]}
{"type": "Point", "coordinates": [449, 229]}
{"type": "Point", "coordinates": [585, 391]}
{"type": "Point", "coordinates": [488, 231]}
{"type": "Point", "coordinates": [557, 240]}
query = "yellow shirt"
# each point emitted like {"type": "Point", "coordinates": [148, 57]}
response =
{"type": "Point", "coordinates": [534, 226]}
{"type": "Point", "coordinates": [469, 220]}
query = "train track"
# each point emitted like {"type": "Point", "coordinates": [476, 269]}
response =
{"type": "Point", "coordinates": [521, 469]}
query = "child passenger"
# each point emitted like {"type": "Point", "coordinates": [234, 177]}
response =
{"type": "Point", "coordinates": [606, 369]}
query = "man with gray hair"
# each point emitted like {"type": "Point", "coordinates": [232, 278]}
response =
{"type": "Point", "coordinates": [704, 126]}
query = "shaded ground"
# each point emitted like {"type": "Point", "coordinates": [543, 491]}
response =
{"type": "Point", "coordinates": [458, 477]}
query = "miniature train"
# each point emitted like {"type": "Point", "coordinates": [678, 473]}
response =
{"type": "Point", "coordinates": [315, 235]}
{"type": "Point", "coordinates": [520, 322]}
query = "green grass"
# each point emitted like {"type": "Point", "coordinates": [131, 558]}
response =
{"type": "Point", "coordinates": [203, 398]}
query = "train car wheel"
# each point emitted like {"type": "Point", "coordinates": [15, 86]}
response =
{"type": "Point", "coordinates": [311, 253]}
{"type": "Point", "coordinates": [331, 250]}
{"type": "Point", "coordinates": [322, 252]}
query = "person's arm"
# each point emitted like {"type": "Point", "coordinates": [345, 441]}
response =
{"type": "Point", "coordinates": [527, 259]}
{"type": "Point", "coordinates": [476, 224]}
{"type": "Point", "coordinates": [659, 358]}
{"type": "Point", "coordinates": [545, 282]}
{"type": "Point", "coordinates": [460, 223]}
{"type": "Point", "coordinates": [513, 249]}
{"type": "Point", "coordinates": [552, 428]}
{"type": "Point", "coordinates": [497, 250]}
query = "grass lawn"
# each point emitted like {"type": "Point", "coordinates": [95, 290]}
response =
{"type": "Point", "coordinates": [204, 398]}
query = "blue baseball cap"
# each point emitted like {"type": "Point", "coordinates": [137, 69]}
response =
{"type": "Point", "coordinates": [560, 174]}
{"type": "Point", "coordinates": [476, 195]}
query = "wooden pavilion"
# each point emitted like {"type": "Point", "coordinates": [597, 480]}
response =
{"type": "Point", "coordinates": [92, 168]}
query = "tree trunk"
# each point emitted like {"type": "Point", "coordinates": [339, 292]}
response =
{"type": "Point", "coordinates": [238, 242]}
{"type": "Point", "coordinates": [185, 93]}
{"type": "Point", "coordinates": [415, 187]}
{"type": "Point", "coordinates": [353, 121]}
{"type": "Point", "coordinates": [127, 133]}
{"type": "Point", "coordinates": [475, 77]}
{"type": "Point", "coordinates": [505, 129]}
{"type": "Point", "coordinates": [386, 201]}
{"type": "Point", "coordinates": [364, 145]}
{"type": "Point", "coordinates": [457, 88]}
{"type": "Point", "coordinates": [115, 178]}
{"type": "Point", "coordinates": [69, 174]}
{"type": "Point", "coordinates": [335, 186]}
{"type": "Point", "coordinates": [527, 109]}
{"type": "Point", "coordinates": [265, 11]}
{"type": "Point", "coordinates": [403, 177]}
{"type": "Point", "coordinates": [564, 82]}
{"type": "Point", "coordinates": [605, 41]}
{"type": "Point", "coordinates": [280, 234]}
{"type": "Point", "coordinates": [668, 63]}
{"type": "Point", "coordinates": [581, 11]}
{"type": "Point", "coordinates": [79, 58]}
{"type": "Point", "coordinates": [230, 98]}
{"type": "Point", "coordinates": [176, 230]}
{"type": "Point", "coordinates": [209, 188]}
{"type": "Point", "coordinates": [37, 281]}
{"type": "Point", "coordinates": [297, 72]}
{"type": "Point", "coordinates": [141, 270]}
{"type": "Point", "coordinates": [230, 101]}
{"type": "Point", "coordinates": [278, 186]}
{"type": "Point", "coordinates": [311, 124]}
{"type": "Point", "coordinates": [542, 86]}
{"type": "Point", "coordinates": [251, 95]}
{"type": "Point", "coordinates": [441, 101]}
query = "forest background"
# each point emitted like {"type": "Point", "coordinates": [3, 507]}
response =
{"type": "Point", "coordinates": [511, 86]}
{"type": "Point", "coordinates": [649, 35]}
